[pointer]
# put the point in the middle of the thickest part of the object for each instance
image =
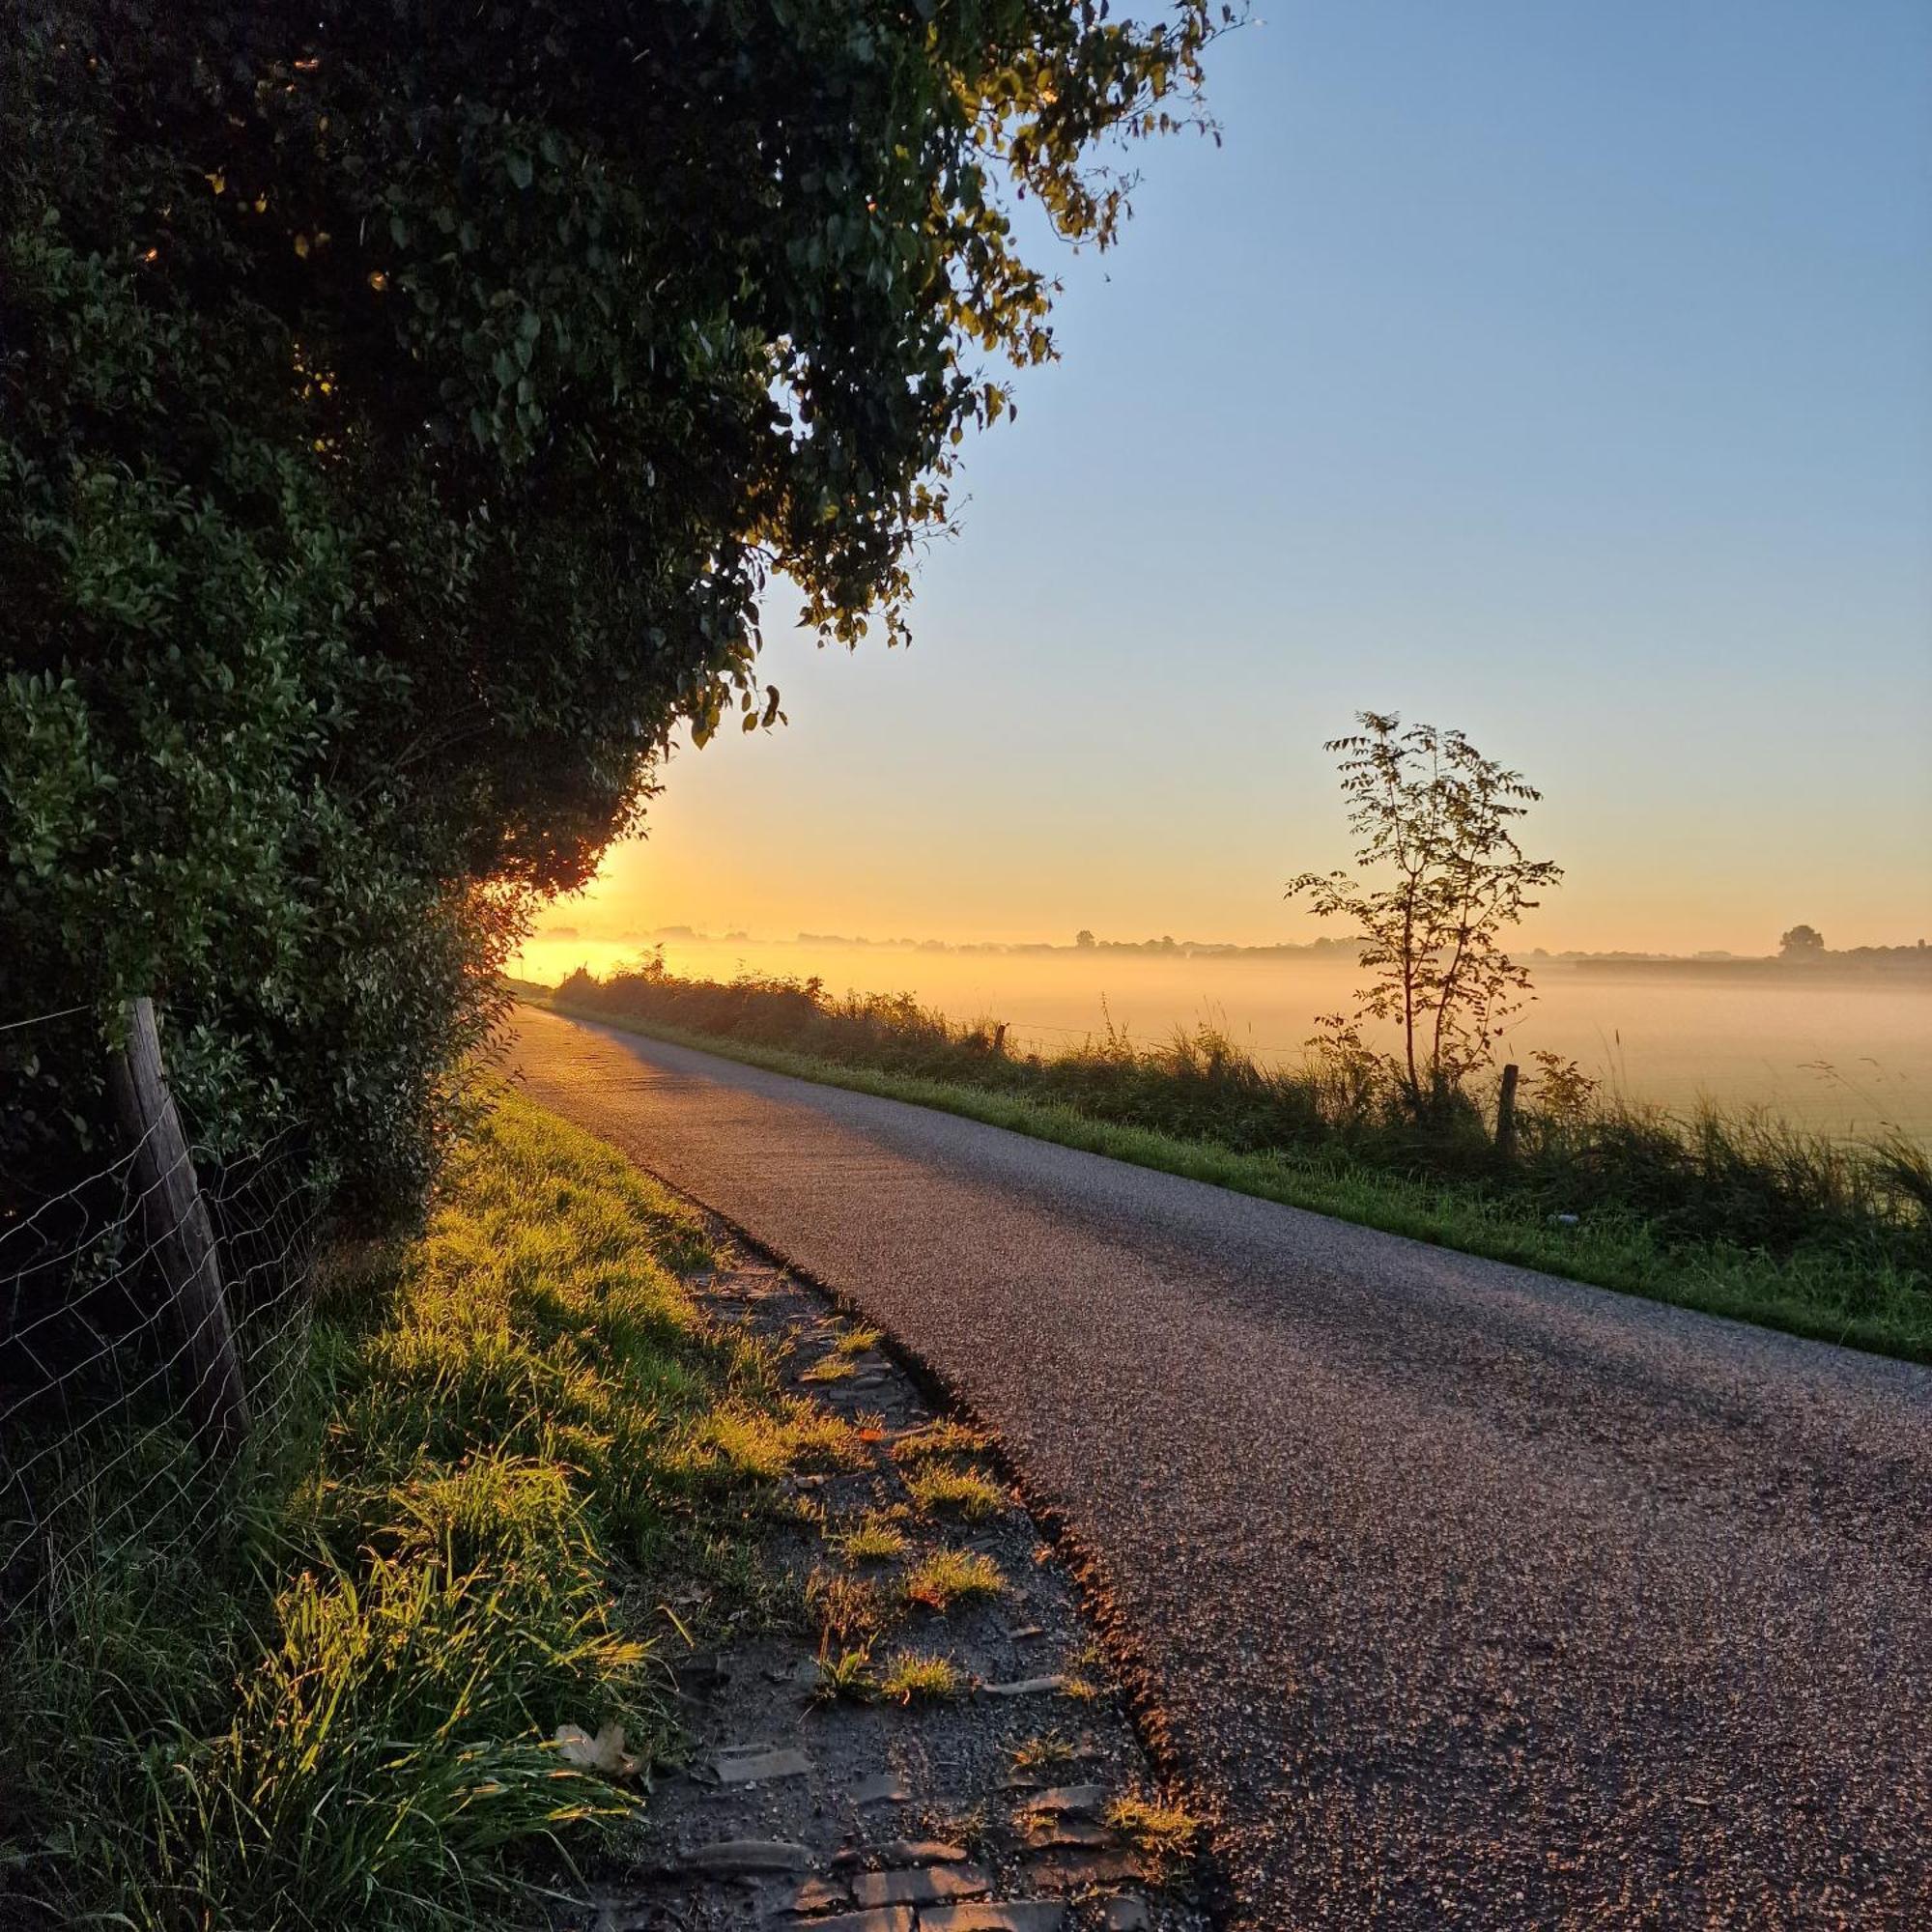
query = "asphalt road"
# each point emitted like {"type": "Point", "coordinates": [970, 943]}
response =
{"type": "Point", "coordinates": [1471, 1597]}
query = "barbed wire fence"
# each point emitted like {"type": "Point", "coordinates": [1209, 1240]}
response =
{"type": "Point", "coordinates": [154, 1315]}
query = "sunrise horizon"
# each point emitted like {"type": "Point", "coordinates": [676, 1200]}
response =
{"type": "Point", "coordinates": [560, 927]}
{"type": "Point", "coordinates": [1474, 376]}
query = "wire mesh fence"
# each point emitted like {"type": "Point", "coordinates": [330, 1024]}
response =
{"type": "Point", "coordinates": [102, 1349]}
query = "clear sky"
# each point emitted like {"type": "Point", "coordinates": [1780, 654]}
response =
{"type": "Point", "coordinates": [1558, 371]}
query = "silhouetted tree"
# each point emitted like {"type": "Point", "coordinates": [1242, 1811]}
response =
{"type": "Point", "coordinates": [1802, 942]}
{"type": "Point", "coordinates": [1439, 879]}
{"type": "Point", "coordinates": [1083, 938]}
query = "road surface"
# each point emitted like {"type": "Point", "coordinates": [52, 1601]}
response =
{"type": "Point", "coordinates": [1472, 1598]}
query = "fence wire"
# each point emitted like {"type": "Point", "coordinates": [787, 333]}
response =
{"type": "Point", "coordinates": [97, 1444]}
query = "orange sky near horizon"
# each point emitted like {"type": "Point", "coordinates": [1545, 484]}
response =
{"type": "Point", "coordinates": [1559, 375]}
{"type": "Point", "coordinates": [837, 823]}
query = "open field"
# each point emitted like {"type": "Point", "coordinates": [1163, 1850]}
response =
{"type": "Point", "coordinates": [1738, 1215]}
{"type": "Point", "coordinates": [1842, 1055]}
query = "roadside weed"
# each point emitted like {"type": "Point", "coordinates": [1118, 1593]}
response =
{"type": "Point", "coordinates": [1167, 1833]}
{"type": "Point", "coordinates": [846, 1677]}
{"type": "Point", "coordinates": [915, 1677]}
{"type": "Point", "coordinates": [964, 1491]}
{"type": "Point", "coordinates": [844, 1607]}
{"type": "Point", "coordinates": [516, 1432]}
{"type": "Point", "coordinates": [950, 1576]}
{"type": "Point", "coordinates": [942, 1436]}
{"type": "Point", "coordinates": [876, 1539]}
{"type": "Point", "coordinates": [1049, 1752]}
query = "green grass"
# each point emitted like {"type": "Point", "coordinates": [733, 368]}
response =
{"type": "Point", "coordinates": [950, 1576]}
{"type": "Point", "coordinates": [915, 1677]}
{"type": "Point", "coordinates": [846, 1678]}
{"type": "Point", "coordinates": [845, 1609]}
{"type": "Point", "coordinates": [1743, 1217]}
{"type": "Point", "coordinates": [516, 1438]}
{"type": "Point", "coordinates": [834, 1368]}
{"type": "Point", "coordinates": [1164, 1834]}
{"type": "Point", "coordinates": [942, 1437]}
{"type": "Point", "coordinates": [1048, 1757]}
{"type": "Point", "coordinates": [939, 1486]}
{"type": "Point", "coordinates": [876, 1540]}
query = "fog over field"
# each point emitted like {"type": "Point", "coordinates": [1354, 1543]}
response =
{"type": "Point", "coordinates": [1828, 1050]}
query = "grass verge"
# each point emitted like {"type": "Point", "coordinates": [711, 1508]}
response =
{"type": "Point", "coordinates": [1727, 1230]}
{"type": "Point", "coordinates": [515, 1443]}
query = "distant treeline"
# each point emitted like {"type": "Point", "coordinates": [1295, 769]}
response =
{"type": "Point", "coordinates": [1914, 960]}
{"type": "Point", "coordinates": [1165, 946]}
{"type": "Point", "coordinates": [1893, 962]}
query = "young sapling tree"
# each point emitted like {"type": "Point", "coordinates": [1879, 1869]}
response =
{"type": "Point", "coordinates": [1437, 883]}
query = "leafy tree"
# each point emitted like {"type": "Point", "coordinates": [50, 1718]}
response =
{"type": "Point", "coordinates": [1438, 880]}
{"type": "Point", "coordinates": [1084, 939]}
{"type": "Point", "coordinates": [1802, 942]}
{"type": "Point", "coordinates": [402, 409]}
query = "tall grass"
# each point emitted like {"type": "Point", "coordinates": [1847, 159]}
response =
{"type": "Point", "coordinates": [1743, 1212]}
{"type": "Point", "coordinates": [515, 1433]}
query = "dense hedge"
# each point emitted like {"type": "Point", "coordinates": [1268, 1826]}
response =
{"type": "Point", "coordinates": [402, 407]}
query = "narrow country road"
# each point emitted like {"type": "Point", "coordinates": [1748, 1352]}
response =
{"type": "Point", "coordinates": [1472, 1598]}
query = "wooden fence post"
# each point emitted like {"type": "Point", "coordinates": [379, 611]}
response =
{"type": "Point", "coordinates": [175, 1221]}
{"type": "Point", "coordinates": [1506, 1113]}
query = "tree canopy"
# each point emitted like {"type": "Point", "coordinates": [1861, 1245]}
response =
{"type": "Point", "coordinates": [402, 407]}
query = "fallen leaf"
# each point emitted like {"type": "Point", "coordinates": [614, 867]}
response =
{"type": "Point", "coordinates": [605, 1753]}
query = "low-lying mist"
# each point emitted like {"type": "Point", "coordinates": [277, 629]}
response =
{"type": "Point", "coordinates": [1840, 1053]}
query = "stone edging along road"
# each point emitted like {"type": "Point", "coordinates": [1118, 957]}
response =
{"type": "Point", "coordinates": [1017, 1799]}
{"type": "Point", "coordinates": [1475, 1598]}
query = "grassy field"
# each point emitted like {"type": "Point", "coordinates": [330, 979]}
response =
{"type": "Point", "coordinates": [1744, 1215]}
{"type": "Point", "coordinates": [516, 1444]}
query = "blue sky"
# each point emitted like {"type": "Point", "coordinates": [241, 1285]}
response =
{"type": "Point", "coordinates": [1559, 372]}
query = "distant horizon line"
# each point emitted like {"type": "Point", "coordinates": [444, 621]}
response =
{"type": "Point", "coordinates": [1164, 945]}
